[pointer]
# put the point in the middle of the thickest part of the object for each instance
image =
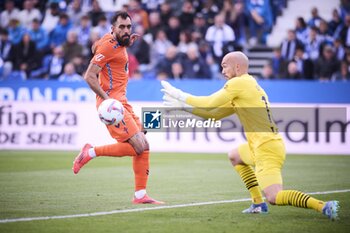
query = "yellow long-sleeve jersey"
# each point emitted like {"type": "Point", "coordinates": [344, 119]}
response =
{"type": "Point", "coordinates": [243, 96]}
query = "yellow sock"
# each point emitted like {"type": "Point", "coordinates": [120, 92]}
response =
{"type": "Point", "coordinates": [248, 176]}
{"type": "Point", "coordinates": [298, 199]}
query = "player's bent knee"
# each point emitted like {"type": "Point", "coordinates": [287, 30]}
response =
{"type": "Point", "coordinates": [233, 156]}
{"type": "Point", "coordinates": [271, 192]}
{"type": "Point", "coordinates": [271, 198]}
{"type": "Point", "coordinates": [139, 143]}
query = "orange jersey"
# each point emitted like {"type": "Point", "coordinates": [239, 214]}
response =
{"type": "Point", "coordinates": [107, 36]}
{"type": "Point", "coordinates": [113, 59]}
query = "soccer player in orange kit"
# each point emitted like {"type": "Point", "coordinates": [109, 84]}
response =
{"type": "Point", "coordinates": [107, 76]}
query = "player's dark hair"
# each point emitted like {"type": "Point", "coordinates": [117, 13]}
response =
{"type": "Point", "coordinates": [122, 14]}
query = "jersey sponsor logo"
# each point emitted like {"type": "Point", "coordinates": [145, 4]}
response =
{"type": "Point", "coordinates": [99, 57]}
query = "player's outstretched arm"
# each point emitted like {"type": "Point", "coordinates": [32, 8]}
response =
{"type": "Point", "coordinates": [214, 113]}
{"type": "Point", "coordinates": [217, 99]}
{"type": "Point", "coordinates": [206, 113]}
{"type": "Point", "coordinates": [91, 77]}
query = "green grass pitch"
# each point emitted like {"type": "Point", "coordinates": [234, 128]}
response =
{"type": "Point", "coordinates": [37, 184]}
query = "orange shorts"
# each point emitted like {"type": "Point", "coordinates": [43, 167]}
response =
{"type": "Point", "coordinates": [128, 127]}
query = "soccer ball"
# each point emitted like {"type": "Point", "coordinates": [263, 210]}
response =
{"type": "Point", "coordinates": [111, 111]}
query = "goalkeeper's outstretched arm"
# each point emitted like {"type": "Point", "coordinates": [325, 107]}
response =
{"type": "Point", "coordinates": [214, 113]}
{"type": "Point", "coordinates": [215, 100]}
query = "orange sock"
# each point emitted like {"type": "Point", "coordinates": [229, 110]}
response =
{"type": "Point", "coordinates": [116, 150]}
{"type": "Point", "coordinates": [141, 169]}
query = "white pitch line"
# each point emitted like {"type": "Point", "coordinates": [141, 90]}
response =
{"type": "Point", "coordinates": [146, 209]}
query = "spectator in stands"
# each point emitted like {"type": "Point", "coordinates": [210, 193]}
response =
{"type": "Point", "coordinates": [94, 36]}
{"type": "Point", "coordinates": [267, 72]}
{"type": "Point", "coordinates": [210, 9]}
{"type": "Point", "coordinates": [165, 12]}
{"type": "Point", "coordinates": [218, 35]}
{"type": "Point", "coordinates": [16, 31]}
{"type": "Point", "coordinates": [39, 36]}
{"type": "Point", "coordinates": [343, 74]}
{"type": "Point", "coordinates": [152, 5]}
{"type": "Point", "coordinates": [5, 48]}
{"type": "Point", "coordinates": [301, 30]}
{"type": "Point", "coordinates": [176, 71]}
{"type": "Point", "coordinates": [75, 11]}
{"type": "Point", "coordinates": [80, 64]}
{"type": "Point", "coordinates": [227, 10]}
{"type": "Point", "coordinates": [141, 50]}
{"type": "Point", "coordinates": [289, 45]}
{"type": "Point", "coordinates": [315, 19]}
{"type": "Point", "coordinates": [277, 7]}
{"type": "Point", "coordinates": [278, 64]}
{"type": "Point", "coordinates": [335, 24]}
{"type": "Point", "coordinates": [83, 31]}
{"type": "Point", "coordinates": [96, 13]}
{"type": "Point", "coordinates": [102, 27]}
{"type": "Point", "coordinates": [71, 48]}
{"type": "Point", "coordinates": [206, 54]}
{"type": "Point", "coordinates": [239, 21]}
{"type": "Point", "coordinates": [164, 66]}
{"type": "Point", "coordinates": [111, 6]}
{"type": "Point", "coordinates": [199, 24]}
{"type": "Point", "coordinates": [339, 49]}
{"type": "Point", "coordinates": [51, 18]}
{"type": "Point", "coordinates": [173, 30]}
{"type": "Point", "coordinates": [324, 33]}
{"type": "Point", "coordinates": [138, 15]}
{"type": "Point", "coordinates": [24, 56]}
{"type": "Point", "coordinates": [59, 34]}
{"type": "Point", "coordinates": [52, 65]}
{"type": "Point", "coordinates": [187, 15]}
{"type": "Point", "coordinates": [313, 44]}
{"type": "Point", "coordinates": [159, 47]}
{"type": "Point", "coordinates": [344, 8]}
{"type": "Point", "coordinates": [261, 20]}
{"type": "Point", "coordinates": [154, 24]}
{"type": "Point", "coordinates": [326, 66]}
{"type": "Point", "coordinates": [194, 67]}
{"type": "Point", "coordinates": [8, 13]}
{"type": "Point", "coordinates": [196, 37]}
{"type": "Point", "coordinates": [133, 65]}
{"type": "Point", "coordinates": [28, 14]}
{"type": "Point", "coordinates": [345, 32]}
{"type": "Point", "coordinates": [70, 75]}
{"type": "Point", "coordinates": [293, 72]}
{"type": "Point", "coordinates": [305, 65]}
{"type": "Point", "coordinates": [185, 41]}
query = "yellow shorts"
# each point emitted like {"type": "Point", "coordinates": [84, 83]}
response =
{"type": "Point", "coordinates": [267, 159]}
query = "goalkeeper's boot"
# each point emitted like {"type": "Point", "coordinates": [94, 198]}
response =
{"type": "Point", "coordinates": [146, 200]}
{"type": "Point", "coordinates": [257, 209]}
{"type": "Point", "coordinates": [331, 209]}
{"type": "Point", "coordinates": [82, 158]}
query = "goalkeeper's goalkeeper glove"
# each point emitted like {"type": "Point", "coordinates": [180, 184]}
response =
{"type": "Point", "coordinates": [169, 90]}
{"type": "Point", "coordinates": [170, 101]}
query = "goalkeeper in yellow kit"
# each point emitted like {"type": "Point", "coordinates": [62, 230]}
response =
{"type": "Point", "coordinates": [264, 150]}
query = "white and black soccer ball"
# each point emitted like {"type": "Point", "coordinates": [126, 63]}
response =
{"type": "Point", "coordinates": [111, 111]}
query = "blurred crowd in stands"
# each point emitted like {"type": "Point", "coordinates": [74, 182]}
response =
{"type": "Point", "coordinates": [184, 39]}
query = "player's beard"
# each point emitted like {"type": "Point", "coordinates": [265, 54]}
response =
{"type": "Point", "coordinates": [124, 40]}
